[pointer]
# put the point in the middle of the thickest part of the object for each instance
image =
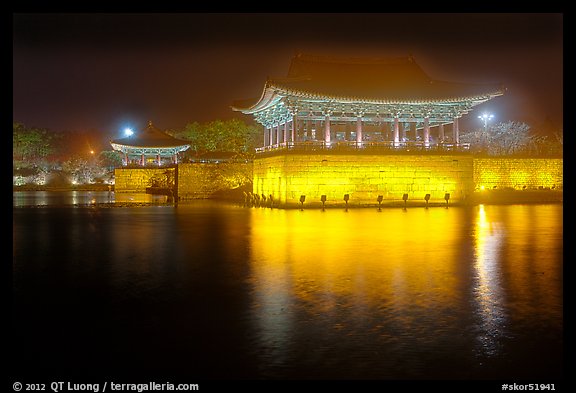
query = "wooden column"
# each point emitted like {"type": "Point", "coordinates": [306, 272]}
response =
{"type": "Point", "coordinates": [396, 131]}
{"type": "Point", "coordinates": [327, 129]}
{"type": "Point", "coordinates": [271, 136]}
{"type": "Point", "coordinates": [456, 131]}
{"type": "Point", "coordinates": [278, 134]}
{"type": "Point", "coordinates": [441, 133]}
{"type": "Point", "coordinates": [427, 132]}
{"type": "Point", "coordinates": [359, 130]}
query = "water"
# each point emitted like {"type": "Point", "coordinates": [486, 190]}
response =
{"type": "Point", "coordinates": [79, 198]}
{"type": "Point", "coordinates": [221, 291]}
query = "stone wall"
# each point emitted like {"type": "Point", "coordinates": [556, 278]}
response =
{"type": "Point", "coordinates": [134, 180]}
{"type": "Point", "coordinates": [195, 180]}
{"type": "Point", "coordinates": [363, 178]}
{"type": "Point", "coordinates": [204, 180]}
{"type": "Point", "coordinates": [518, 173]}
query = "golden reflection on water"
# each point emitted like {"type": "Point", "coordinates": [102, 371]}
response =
{"type": "Point", "coordinates": [519, 277]}
{"type": "Point", "coordinates": [443, 292]}
{"type": "Point", "coordinates": [364, 254]}
{"type": "Point", "coordinates": [529, 253]}
{"type": "Point", "coordinates": [453, 280]}
{"type": "Point", "coordinates": [488, 237]}
{"type": "Point", "coordinates": [399, 267]}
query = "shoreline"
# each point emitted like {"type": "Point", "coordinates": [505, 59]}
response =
{"type": "Point", "coordinates": [500, 197]}
{"type": "Point", "coordinates": [79, 187]}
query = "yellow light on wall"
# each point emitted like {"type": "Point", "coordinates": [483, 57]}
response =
{"type": "Point", "coordinates": [545, 179]}
{"type": "Point", "coordinates": [519, 178]}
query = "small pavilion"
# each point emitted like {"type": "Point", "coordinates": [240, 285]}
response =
{"type": "Point", "coordinates": [149, 147]}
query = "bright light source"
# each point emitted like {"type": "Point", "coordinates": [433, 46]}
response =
{"type": "Point", "coordinates": [128, 132]}
{"type": "Point", "coordinates": [485, 117]}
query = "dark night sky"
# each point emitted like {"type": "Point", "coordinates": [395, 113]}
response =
{"type": "Point", "coordinates": [101, 72]}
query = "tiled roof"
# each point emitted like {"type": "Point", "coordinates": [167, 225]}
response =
{"type": "Point", "coordinates": [370, 79]}
{"type": "Point", "coordinates": [150, 137]}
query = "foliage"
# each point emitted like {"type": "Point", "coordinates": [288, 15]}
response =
{"type": "Point", "coordinates": [110, 159]}
{"type": "Point", "coordinates": [510, 138]}
{"type": "Point", "coordinates": [30, 145]}
{"type": "Point", "coordinates": [554, 144]}
{"type": "Point", "coordinates": [83, 170]}
{"type": "Point", "coordinates": [41, 155]}
{"type": "Point", "coordinates": [218, 135]}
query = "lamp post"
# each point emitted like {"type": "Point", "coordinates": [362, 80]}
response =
{"type": "Point", "coordinates": [486, 117]}
{"type": "Point", "coordinates": [128, 132]}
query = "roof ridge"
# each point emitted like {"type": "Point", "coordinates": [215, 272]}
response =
{"type": "Point", "coordinates": [301, 78]}
{"type": "Point", "coordinates": [355, 59]}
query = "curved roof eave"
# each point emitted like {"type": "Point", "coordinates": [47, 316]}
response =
{"type": "Point", "coordinates": [272, 94]}
{"type": "Point", "coordinates": [349, 99]}
{"type": "Point", "coordinates": [115, 144]}
{"type": "Point", "coordinates": [269, 98]}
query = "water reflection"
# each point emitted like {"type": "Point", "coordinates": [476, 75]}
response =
{"type": "Point", "coordinates": [487, 290]}
{"type": "Point", "coordinates": [60, 198]}
{"type": "Point", "coordinates": [518, 279]}
{"type": "Point", "coordinates": [405, 294]}
{"type": "Point", "coordinates": [351, 275]}
{"type": "Point", "coordinates": [533, 275]}
{"type": "Point", "coordinates": [80, 198]}
{"type": "Point", "coordinates": [464, 292]}
{"type": "Point", "coordinates": [139, 197]}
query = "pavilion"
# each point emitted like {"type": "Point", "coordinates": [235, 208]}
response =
{"type": "Point", "coordinates": [362, 130]}
{"type": "Point", "coordinates": [150, 147]}
{"type": "Point", "coordinates": [329, 102]}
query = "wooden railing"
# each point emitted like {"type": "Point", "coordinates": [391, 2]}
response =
{"type": "Point", "coordinates": [352, 146]}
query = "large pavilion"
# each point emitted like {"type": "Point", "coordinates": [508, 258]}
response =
{"type": "Point", "coordinates": [331, 102]}
{"type": "Point", "coordinates": [150, 147]}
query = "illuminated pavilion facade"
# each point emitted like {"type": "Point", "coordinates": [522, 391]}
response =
{"type": "Point", "coordinates": [362, 130]}
{"type": "Point", "coordinates": [327, 103]}
{"type": "Point", "coordinates": [150, 147]}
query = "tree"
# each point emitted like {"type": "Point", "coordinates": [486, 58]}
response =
{"type": "Point", "coordinates": [218, 135]}
{"type": "Point", "coordinates": [110, 159]}
{"type": "Point", "coordinates": [82, 169]}
{"type": "Point", "coordinates": [510, 137]}
{"type": "Point", "coordinates": [504, 139]}
{"type": "Point", "coordinates": [30, 145]}
{"type": "Point", "coordinates": [549, 144]}
{"type": "Point", "coordinates": [559, 137]}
